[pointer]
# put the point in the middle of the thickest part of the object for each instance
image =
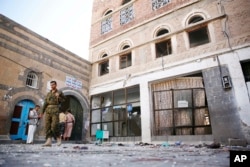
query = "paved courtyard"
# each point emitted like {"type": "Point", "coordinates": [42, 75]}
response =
{"type": "Point", "coordinates": [112, 154]}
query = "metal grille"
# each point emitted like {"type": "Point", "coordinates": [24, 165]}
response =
{"type": "Point", "coordinates": [126, 15]}
{"type": "Point", "coordinates": [156, 4]}
{"type": "Point", "coordinates": [106, 25]}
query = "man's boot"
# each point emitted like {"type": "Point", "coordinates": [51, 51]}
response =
{"type": "Point", "coordinates": [47, 143]}
{"type": "Point", "coordinates": [59, 141]}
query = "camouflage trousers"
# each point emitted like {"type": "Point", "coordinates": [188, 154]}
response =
{"type": "Point", "coordinates": [51, 122]}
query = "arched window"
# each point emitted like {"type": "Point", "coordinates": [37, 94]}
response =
{"type": "Point", "coordinates": [108, 12]}
{"type": "Point", "coordinates": [104, 66]}
{"type": "Point", "coordinates": [163, 48]}
{"type": "Point", "coordinates": [125, 47]}
{"type": "Point", "coordinates": [32, 80]}
{"type": "Point", "coordinates": [125, 1]}
{"type": "Point", "coordinates": [200, 35]}
{"type": "Point", "coordinates": [125, 59]}
{"type": "Point", "coordinates": [162, 32]}
{"type": "Point", "coordinates": [106, 25]}
{"type": "Point", "coordinates": [126, 13]}
{"type": "Point", "coordinates": [195, 19]}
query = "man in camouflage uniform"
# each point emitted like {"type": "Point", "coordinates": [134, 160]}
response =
{"type": "Point", "coordinates": [51, 106]}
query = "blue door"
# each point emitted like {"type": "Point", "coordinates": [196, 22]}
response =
{"type": "Point", "coordinates": [19, 121]}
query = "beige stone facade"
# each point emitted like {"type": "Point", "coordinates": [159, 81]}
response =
{"type": "Point", "coordinates": [201, 39]}
{"type": "Point", "coordinates": [28, 62]}
{"type": "Point", "coordinates": [158, 70]}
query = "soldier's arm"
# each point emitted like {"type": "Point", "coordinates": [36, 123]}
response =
{"type": "Point", "coordinates": [45, 104]}
{"type": "Point", "coordinates": [61, 97]}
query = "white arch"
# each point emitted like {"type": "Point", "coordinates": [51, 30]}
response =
{"type": "Point", "coordinates": [160, 27]}
{"type": "Point", "coordinates": [196, 12]}
{"type": "Point", "coordinates": [124, 43]}
{"type": "Point", "coordinates": [104, 51]}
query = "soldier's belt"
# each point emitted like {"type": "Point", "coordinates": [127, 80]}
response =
{"type": "Point", "coordinates": [51, 106]}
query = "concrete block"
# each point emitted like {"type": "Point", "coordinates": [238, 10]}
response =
{"type": "Point", "coordinates": [237, 142]}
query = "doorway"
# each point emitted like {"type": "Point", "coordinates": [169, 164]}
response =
{"type": "Point", "coordinates": [19, 120]}
{"type": "Point", "coordinates": [77, 110]}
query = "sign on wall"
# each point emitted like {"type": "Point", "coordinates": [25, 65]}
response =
{"type": "Point", "coordinates": [73, 83]}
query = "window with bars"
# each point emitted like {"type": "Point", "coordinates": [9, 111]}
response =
{"type": "Point", "coordinates": [32, 80]}
{"type": "Point", "coordinates": [106, 25]}
{"type": "Point", "coordinates": [126, 15]}
{"type": "Point", "coordinates": [156, 4]}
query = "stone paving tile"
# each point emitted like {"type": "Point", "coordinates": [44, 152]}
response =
{"type": "Point", "coordinates": [106, 155]}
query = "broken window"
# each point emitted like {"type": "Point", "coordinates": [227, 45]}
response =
{"type": "Point", "coordinates": [180, 107]}
{"type": "Point", "coordinates": [163, 48]}
{"type": "Point", "coordinates": [104, 66]}
{"type": "Point", "coordinates": [125, 60]}
{"type": "Point", "coordinates": [198, 36]}
{"type": "Point", "coordinates": [32, 80]}
{"type": "Point", "coordinates": [117, 111]}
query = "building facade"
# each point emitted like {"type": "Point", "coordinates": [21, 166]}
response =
{"type": "Point", "coordinates": [170, 70]}
{"type": "Point", "coordinates": [28, 62]}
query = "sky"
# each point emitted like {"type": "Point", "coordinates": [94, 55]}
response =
{"type": "Point", "coordinates": [64, 22]}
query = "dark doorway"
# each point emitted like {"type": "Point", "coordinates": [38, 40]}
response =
{"type": "Point", "coordinates": [77, 110]}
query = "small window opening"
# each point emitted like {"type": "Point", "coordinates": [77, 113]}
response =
{"type": "Point", "coordinates": [163, 48]}
{"type": "Point", "coordinates": [105, 55]}
{"type": "Point", "coordinates": [125, 61]}
{"type": "Point", "coordinates": [198, 37]}
{"type": "Point", "coordinates": [195, 19]}
{"type": "Point", "coordinates": [32, 80]}
{"type": "Point", "coordinates": [162, 32]}
{"type": "Point", "coordinates": [125, 1]}
{"type": "Point", "coordinates": [104, 68]}
{"type": "Point", "coordinates": [125, 47]}
{"type": "Point", "coordinates": [108, 12]}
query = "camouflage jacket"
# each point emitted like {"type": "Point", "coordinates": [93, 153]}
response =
{"type": "Point", "coordinates": [51, 99]}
